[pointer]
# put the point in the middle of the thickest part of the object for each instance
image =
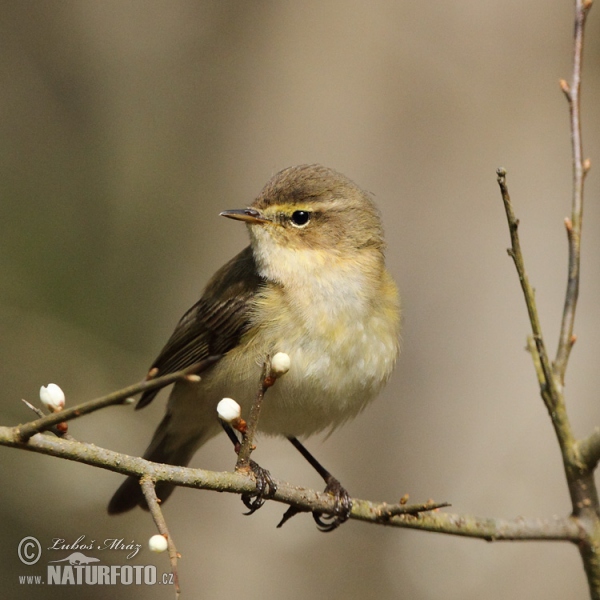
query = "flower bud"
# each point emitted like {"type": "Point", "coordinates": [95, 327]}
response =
{"type": "Point", "coordinates": [280, 364]}
{"type": "Point", "coordinates": [228, 410]}
{"type": "Point", "coordinates": [158, 543]}
{"type": "Point", "coordinates": [52, 397]}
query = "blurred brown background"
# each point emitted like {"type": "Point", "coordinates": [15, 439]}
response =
{"type": "Point", "coordinates": [126, 126]}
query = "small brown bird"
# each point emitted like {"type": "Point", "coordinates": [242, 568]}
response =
{"type": "Point", "coordinates": [312, 284]}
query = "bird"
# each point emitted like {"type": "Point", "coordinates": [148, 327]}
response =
{"type": "Point", "coordinates": [313, 284]}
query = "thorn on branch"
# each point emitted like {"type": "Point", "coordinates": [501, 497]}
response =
{"type": "Point", "coordinates": [564, 86]}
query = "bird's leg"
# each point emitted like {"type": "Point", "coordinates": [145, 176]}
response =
{"type": "Point", "coordinates": [265, 485]}
{"type": "Point", "coordinates": [231, 435]}
{"type": "Point", "coordinates": [342, 501]}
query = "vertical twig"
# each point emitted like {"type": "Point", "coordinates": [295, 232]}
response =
{"type": "Point", "coordinates": [550, 393]}
{"type": "Point", "coordinates": [580, 169]}
{"type": "Point", "coordinates": [580, 473]}
{"type": "Point", "coordinates": [266, 381]}
{"type": "Point", "coordinates": [147, 485]}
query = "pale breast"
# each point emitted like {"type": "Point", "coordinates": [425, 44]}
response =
{"type": "Point", "coordinates": [342, 347]}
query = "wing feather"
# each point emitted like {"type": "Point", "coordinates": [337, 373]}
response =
{"type": "Point", "coordinates": [215, 324]}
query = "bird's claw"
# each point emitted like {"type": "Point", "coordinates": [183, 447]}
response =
{"type": "Point", "coordinates": [341, 510]}
{"type": "Point", "coordinates": [265, 489]}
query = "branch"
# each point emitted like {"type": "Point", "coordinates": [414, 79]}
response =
{"type": "Point", "coordinates": [489, 529]}
{"type": "Point", "coordinates": [580, 458]}
{"type": "Point", "coordinates": [580, 169]}
{"type": "Point", "coordinates": [148, 488]}
{"type": "Point", "coordinates": [266, 381]}
{"type": "Point", "coordinates": [549, 391]}
{"type": "Point", "coordinates": [395, 515]}
{"type": "Point", "coordinates": [24, 432]}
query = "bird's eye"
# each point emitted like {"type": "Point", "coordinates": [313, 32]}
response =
{"type": "Point", "coordinates": [300, 218]}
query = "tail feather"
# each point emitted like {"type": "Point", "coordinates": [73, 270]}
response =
{"type": "Point", "coordinates": [166, 448]}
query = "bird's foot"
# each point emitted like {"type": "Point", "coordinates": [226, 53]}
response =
{"type": "Point", "coordinates": [265, 489]}
{"type": "Point", "coordinates": [341, 510]}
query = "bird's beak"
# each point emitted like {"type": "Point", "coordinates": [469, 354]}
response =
{"type": "Point", "coordinates": [244, 214]}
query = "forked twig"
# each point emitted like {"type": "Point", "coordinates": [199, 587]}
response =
{"type": "Point", "coordinates": [580, 458]}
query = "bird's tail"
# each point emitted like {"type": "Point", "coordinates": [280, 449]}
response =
{"type": "Point", "coordinates": [167, 447]}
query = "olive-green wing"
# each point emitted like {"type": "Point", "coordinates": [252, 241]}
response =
{"type": "Point", "coordinates": [215, 324]}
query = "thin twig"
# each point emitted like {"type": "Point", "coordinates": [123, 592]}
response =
{"type": "Point", "coordinates": [246, 448]}
{"type": "Point", "coordinates": [29, 429]}
{"type": "Point", "coordinates": [148, 487]}
{"type": "Point", "coordinates": [580, 169]}
{"type": "Point", "coordinates": [549, 391]}
{"type": "Point", "coordinates": [515, 253]}
{"type": "Point", "coordinates": [393, 510]}
{"type": "Point", "coordinates": [563, 529]}
{"type": "Point", "coordinates": [57, 430]}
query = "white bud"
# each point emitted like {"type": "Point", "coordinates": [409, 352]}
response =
{"type": "Point", "coordinates": [228, 410]}
{"type": "Point", "coordinates": [52, 397]}
{"type": "Point", "coordinates": [280, 364]}
{"type": "Point", "coordinates": [158, 543]}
